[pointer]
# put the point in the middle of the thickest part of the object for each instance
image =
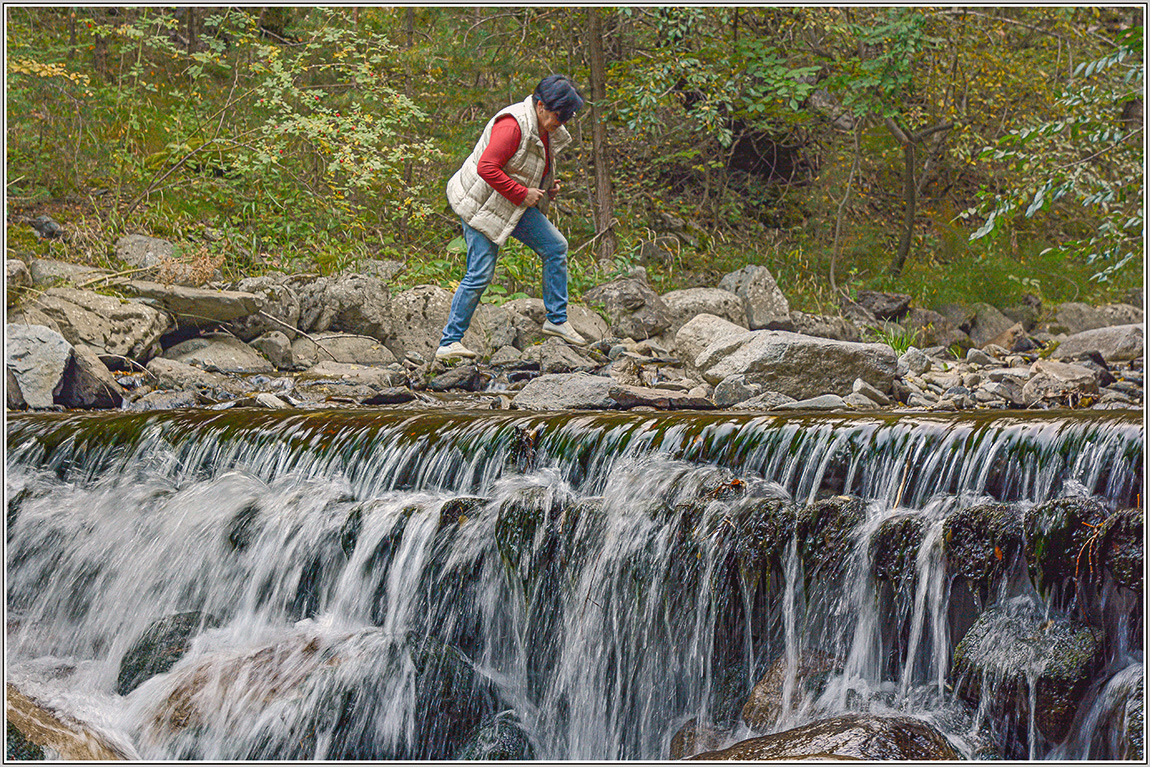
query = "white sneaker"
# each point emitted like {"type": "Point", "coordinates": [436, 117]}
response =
{"type": "Point", "coordinates": [454, 350]}
{"type": "Point", "coordinates": [564, 331]}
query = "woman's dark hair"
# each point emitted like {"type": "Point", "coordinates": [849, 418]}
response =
{"type": "Point", "coordinates": [559, 95]}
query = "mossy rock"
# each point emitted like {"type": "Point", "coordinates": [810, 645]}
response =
{"type": "Point", "coordinates": [244, 527]}
{"type": "Point", "coordinates": [894, 550]}
{"type": "Point", "coordinates": [762, 528]}
{"type": "Point", "coordinates": [695, 737]}
{"type": "Point", "coordinates": [458, 510]}
{"type": "Point", "coordinates": [17, 748]}
{"type": "Point", "coordinates": [980, 541]}
{"type": "Point", "coordinates": [1120, 551]}
{"type": "Point", "coordinates": [1014, 641]}
{"type": "Point", "coordinates": [1060, 541]}
{"type": "Point", "coordinates": [500, 737]}
{"type": "Point", "coordinates": [452, 699]}
{"type": "Point", "coordinates": [520, 517]}
{"type": "Point", "coordinates": [825, 532]}
{"type": "Point", "coordinates": [163, 643]}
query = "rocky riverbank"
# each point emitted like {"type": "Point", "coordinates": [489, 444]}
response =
{"type": "Point", "coordinates": [84, 338]}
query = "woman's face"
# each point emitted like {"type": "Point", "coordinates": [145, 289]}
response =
{"type": "Point", "coordinates": [548, 120]}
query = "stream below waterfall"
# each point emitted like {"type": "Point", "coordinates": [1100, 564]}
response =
{"type": "Point", "coordinates": [400, 584]}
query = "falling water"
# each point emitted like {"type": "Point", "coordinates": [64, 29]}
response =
{"type": "Point", "coordinates": [371, 585]}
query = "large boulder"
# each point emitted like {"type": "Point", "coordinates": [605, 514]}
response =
{"type": "Point", "coordinates": [764, 705]}
{"type": "Point", "coordinates": [566, 391]}
{"type": "Point", "coordinates": [763, 301]}
{"type": "Point", "coordinates": [169, 374]}
{"type": "Point", "coordinates": [684, 305]}
{"type": "Point", "coordinates": [703, 330]}
{"type": "Point", "coordinates": [143, 252]}
{"type": "Point", "coordinates": [221, 354]}
{"type": "Point", "coordinates": [1114, 343]}
{"type": "Point", "coordinates": [797, 365]}
{"type": "Point", "coordinates": [884, 306]}
{"type": "Point", "coordinates": [867, 737]}
{"type": "Point", "coordinates": [987, 324]}
{"type": "Point", "coordinates": [38, 357]}
{"type": "Point", "coordinates": [17, 277]}
{"type": "Point", "coordinates": [350, 303]}
{"type": "Point", "coordinates": [419, 316]}
{"type": "Point", "coordinates": [279, 300]}
{"type": "Point", "coordinates": [1059, 383]}
{"type": "Point", "coordinates": [1073, 317]}
{"type": "Point", "coordinates": [108, 325]}
{"type": "Point", "coordinates": [196, 307]}
{"type": "Point", "coordinates": [633, 309]}
{"type": "Point", "coordinates": [14, 398]}
{"type": "Point", "coordinates": [307, 351]}
{"type": "Point", "coordinates": [88, 383]}
{"type": "Point", "coordinates": [158, 648]}
{"type": "Point", "coordinates": [1060, 542]}
{"type": "Point", "coordinates": [823, 326]}
{"type": "Point", "coordinates": [48, 272]}
{"type": "Point", "coordinates": [933, 329]}
{"type": "Point", "coordinates": [1017, 644]}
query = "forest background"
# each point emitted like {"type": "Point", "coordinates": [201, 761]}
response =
{"type": "Point", "coordinates": [955, 154]}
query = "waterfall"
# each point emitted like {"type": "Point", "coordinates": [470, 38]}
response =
{"type": "Point", "coordinates": [402, 584]}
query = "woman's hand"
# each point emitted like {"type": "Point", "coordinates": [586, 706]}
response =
{"type": "Point", "coordinates": [553, 192]}
{"type": "Point", "coordinates": [533, 197]}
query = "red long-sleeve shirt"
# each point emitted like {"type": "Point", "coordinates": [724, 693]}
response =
{"type": "Point", "coordinates": [505, 137]}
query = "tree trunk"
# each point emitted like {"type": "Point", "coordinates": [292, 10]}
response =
{"type": "Point", "coordinates": [604, 203]}
{"type": "Point", "coordinates": [909, 139]}
{"type": "Point", "coordinates": [409, 40]}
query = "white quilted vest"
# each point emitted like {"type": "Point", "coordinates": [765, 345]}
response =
{"type": "Point", "coordinates": [477, 203]}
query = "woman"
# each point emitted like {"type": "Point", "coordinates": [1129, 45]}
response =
{"type": "Point", "coordinates": [502, 191]}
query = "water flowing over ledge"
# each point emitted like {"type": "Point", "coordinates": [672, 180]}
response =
{"type": "Point", "coordinates": [401, 584]}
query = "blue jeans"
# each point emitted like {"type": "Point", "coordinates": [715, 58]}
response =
{"type": "Point", "coordinates": [537, 233]}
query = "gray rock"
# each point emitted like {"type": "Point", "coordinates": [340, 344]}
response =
{"type": "Point", "coordinates": [1114, 343]}
{"type": "Point", "coordinates": [143, 252]}
{"type": "Point", "coordinates": [17, 277]}
{"type": "Point", "coordinates": [1008, 390]}
{"type": "Point", "coordinates": [339, 347]}
{"type": "Point", "coordinates": [220, 354]}
{"type": "Point", "coordinates": [627, 397]}
{"type": "Point", "coordinates": [180, 376]}
{"type": "Point", "coordinates": [799, 366]}
{"type": "Point", "coordinates": [88, 383]}
{"type": "Point", "coordinates": [566, 391]}
{"type": "Point", "coordinates": [874, 395]}
{"type": "Point", "coordinates": [764, 704]}
{"type": "Point", "coordinates": [702, 331]}
{"type": "Point", "coordinates": [1058, 382]}
{"type": "Point", "coordinates": [1074, 317]}
{"type": "Point", "coordinates": [884, 306]}
{"type": "Point", "coordinates": [733, 390]}
{"type": "Point", "coordinates": [958, 315]}
{"type": "Point", "coordinates": [823, 326]}
{"type": "Point", "coordinates": [382, 269]}
{"type": "Point", "coordinates": [38, 357]}
{"type": "Point", "coordinates": [1020, 645]}
{"type": "Point", "coordinates": [109, 325]}
{"type": "Point", "coordinates": [915, 361]}
{"type": "Point", "coordinates": [48, 272]}
{"type": "Point", "coordinates": [379, 377]}
{"type": "Point", "coordinates": [556, 356]}
{"type": "Point", "coordinates": [419, 316]}
{"type": "Point", "coordinates": [276, 347]}
{"type": "Point", "coordinates": [350, 303]}
{"type": "Point", "coordinates": [1122, 314]}
{"type": "Point", "coordinates": [988, 324]}
{"type": "Point", "coordinates": [14, 398]}
{"type": "Point", "coordinates": [768, 400]}
{"type": "Point", "coordinates": [466, 377]}
{"type": "Point", "coordinates": [393, 395]}
{"type": "Point", "coordinates": [762, 299]}
{"type": "Point", "coordinates": [860, 402]}
{"type": "Point", "coordinates": [633, 309]}
{"type": "Point", "coordinates": [979, 357]}
{"type": "Point", "coordinates": [270, 401]}
{"type": "Point", "coordinates": [196, 307]}
{"type": "Point", "coordinates": [279, 300]}
{"type": "Point", "coordinates": [822, 402]}
{"type": "Point", "coordinates": [923, 400]}
{"type": "Point", "coordinates": [505, 356]}
{"type": "Point", "coordinates": [165, 400]}
{"type": "Point", "coordinates": [684, 305]}
{"type": "Point", "coordinates": [934, 329]}
{"type": "Point", "coordinates": [865, 737]}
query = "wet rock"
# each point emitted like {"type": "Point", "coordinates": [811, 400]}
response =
{"type": "Point", "coordinates": [108, 325]}
{"type": "Point", "coordinates": [14, 398]}
{"type": "Point", "coordinates": [169, 374]}
{"type": "Point", "coordinates": [163, 643]}
{"type": "Point", "coordinates": [1120, 550]}
{"type": "Point", "coordinates": [18, 748]}
{"type": "Point", "coordinates": [764, 705]}
{"type": "Point", "coordinates": [685, 305]}
{"type": "Point", "coordinates": [457, 511]}
{"type": "Point", "coordinates": [38, 357]}
{"type": "Point", "coordinates": [49, 734]}
{"type": "Point", "coordinates": [825, 529]}
{"type": "Point", "coordinates": [854, 736]}
{"type": "Point", "coordinates": [824, 402]}
{"type": "Point", "coordinates": [695, 737]}
{"type": "Point", "coordinates": [633, 309]}
{"type": "Point", "coordinates": [219, 354]}
{"type": "Point", "coordinates": [391, 395]}
{"type": "Point", "coordinates": [1119, 342]}
{"type": "Point", "coordinates": [761, 529]}
{"type": "Point", "coordinates": [166, 400]}
{"type": "Point", "coordinates": [627, 397]}
{"type": "Point", "coordinates": [1060, 541]}
{"type": "Point", "coordinates": [762, 299]}
{"type": "Point", "coordinates": [894, 550]}
{"type": "Point", "coordinates": [498, 738]}
{"type": "Point", "coordinates": [981, 541]}
{"type": "Point", "coordinates": [786, 362]}
{"type": "Point", "coordinates": [88, 383]}
{"type": "Point", "coordinates": [1016, 644]}
{"type": "Point", "coordinates": [465, 377]}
